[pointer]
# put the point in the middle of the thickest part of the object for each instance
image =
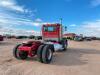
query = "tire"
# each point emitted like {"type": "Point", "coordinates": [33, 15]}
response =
{"type": "Point", "coordinates": [64, 43]}
{"type": "Point", "coordinates": [47, 54]}
{"type": "Point", "coordinates": [15, 51]}
{"type": "Point", "coordinates": [39, 53]}
{"type": "Point", "coordinates": [19, 54]}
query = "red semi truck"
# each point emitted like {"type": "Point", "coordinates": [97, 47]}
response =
{"type": "Point", "coordinates": [1, 38]}
{"type": "Point", "coordinates": [52, 41]}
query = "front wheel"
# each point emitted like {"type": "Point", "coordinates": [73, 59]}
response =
{"type": "Point", "coordinates": [47, 54]}
{"type": "Point", "coordinates": [65, 44]}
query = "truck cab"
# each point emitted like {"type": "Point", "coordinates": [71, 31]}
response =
{"type": "Point", "coordinates": [52, 32]}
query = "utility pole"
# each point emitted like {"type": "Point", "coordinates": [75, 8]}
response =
{"type": "Point", "coordinates": [61, 21]}
{"type": "Point", "coordinates": [61, 28]}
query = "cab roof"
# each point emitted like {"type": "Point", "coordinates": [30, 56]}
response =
{"type": "Point", "coordinates": [56, 24]}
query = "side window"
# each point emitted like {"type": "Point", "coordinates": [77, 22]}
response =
{"type": "Point", "coordinates": [45, 28]}
{"type": "Point", "coordinates": [50, 28]}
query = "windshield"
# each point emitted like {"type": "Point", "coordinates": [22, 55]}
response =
{"type": "Point", "coordinates": [50, 28]}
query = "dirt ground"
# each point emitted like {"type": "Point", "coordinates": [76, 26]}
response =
{"type": "Point", "coordinates": [82, 58]}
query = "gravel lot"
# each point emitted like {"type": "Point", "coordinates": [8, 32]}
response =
{"type": "Point", "coordinates": [82, 58]}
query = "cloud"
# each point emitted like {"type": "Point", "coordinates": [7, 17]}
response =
{"type": "Point", "coordinates": [13, 23]}
{"type": "Point", "coordinates": [90, 28]}
{"type": "Point", "coordinates": [95, 3]}
{"type": "Point", "coordinates": [8, 26]}
{"type": "Point", "coordinates": [38, 20]}
{"type": "Point", "coordinates": [9, 22]}
{"type": "Point", "coordinates": [36, 23]}
{"type": "Point", "coordinates": [18, 32]}
{"type": "Point", "coordinates": [73, 25]}
{"type": "Point", "coordinates": [12, 5]}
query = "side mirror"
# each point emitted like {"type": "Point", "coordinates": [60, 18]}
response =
{"type": "Point", "coordinates": [65, 28]}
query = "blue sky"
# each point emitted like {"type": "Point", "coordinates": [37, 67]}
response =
{"type": "Point", "coordinates": [27, 16]}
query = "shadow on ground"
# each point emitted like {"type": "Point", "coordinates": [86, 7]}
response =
{"type": "Point", "coordinates": [73, 57]}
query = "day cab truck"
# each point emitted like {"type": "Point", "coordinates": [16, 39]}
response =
{"type": "Point", "coordinates": [52, 35]}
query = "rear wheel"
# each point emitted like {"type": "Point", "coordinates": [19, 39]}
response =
{"type": "Point", "coordinates": [19, 54]}
{"type": "Point", "coordinates": [16, 51]}
{"type": "Point", "coordinates": [47, 54]}
{"type": "Point", "coordinates": [39, 53]}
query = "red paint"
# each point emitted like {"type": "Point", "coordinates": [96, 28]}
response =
{"type": "Point", "coordinates": [31, 46]}
{"type": "Point", "coordinates": [53, 34]}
